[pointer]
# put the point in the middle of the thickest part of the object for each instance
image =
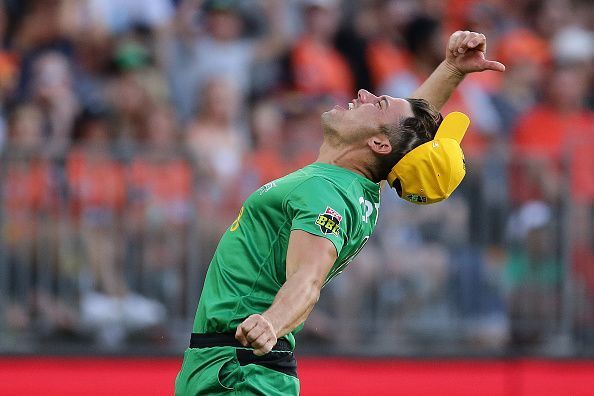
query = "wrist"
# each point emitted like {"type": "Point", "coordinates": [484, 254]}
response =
{"type": "Point", "coordinates": [453, 70]}
{"type": "Point", "coordinates": [266, 315]}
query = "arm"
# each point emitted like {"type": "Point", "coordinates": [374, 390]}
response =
{"type": "Point", "coordinates": [309, 259]}
{"type": "Point", "coordinates": [465, 54]}
{"type": "Point", "coordinates": [275, 40]}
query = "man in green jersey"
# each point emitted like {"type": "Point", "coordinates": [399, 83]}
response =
{"type": "Point", "coordinates": [296, 233]}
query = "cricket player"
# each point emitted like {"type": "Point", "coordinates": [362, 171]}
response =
{"type": "Point", "coordinates": [295, 234]}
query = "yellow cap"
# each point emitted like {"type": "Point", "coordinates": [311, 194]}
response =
{"type": "Point", "coordinates": [432, 171]}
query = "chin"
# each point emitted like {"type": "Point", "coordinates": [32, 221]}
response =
{"type": "Point", "coordinates": [326, 118]}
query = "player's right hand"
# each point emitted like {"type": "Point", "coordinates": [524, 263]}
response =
{"type": "Point", "coordinates": [256, 332]}
{"type": "Point", "coordinates": [466, 52]}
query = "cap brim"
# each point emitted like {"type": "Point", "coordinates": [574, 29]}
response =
{"type": "Point", "coordinates": [453, 126]}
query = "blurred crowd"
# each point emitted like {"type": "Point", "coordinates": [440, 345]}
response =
{"type": "Point", "coordinates": [131, 131]}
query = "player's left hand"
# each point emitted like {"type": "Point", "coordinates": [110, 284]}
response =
{"type": "Point", "coordinates": [256, 332]}
{"type": "Point", "coordinates": [466, 53]}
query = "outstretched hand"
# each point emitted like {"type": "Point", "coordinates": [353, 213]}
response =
{"type": "Point", "coordinates": [466, 53]}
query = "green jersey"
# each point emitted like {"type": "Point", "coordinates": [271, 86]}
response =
{"type": "Point", "coordinates": [248, 267]}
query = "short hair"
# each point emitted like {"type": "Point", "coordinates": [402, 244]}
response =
{"type": "Point", "coordinates": [410, 132]}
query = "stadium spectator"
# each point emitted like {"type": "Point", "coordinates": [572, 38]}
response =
{"type": "Point", "coordinates": [317, 67]}
{"type": "Point", "coordinates": [26, 190]}
{"type": "Point", "coordinates": [526, 56]}
{"type": "Point", "coordinates": [53, 93]}
{"type": "Point", "coordinates": [219, 49]}
{"type": "Point", "coordinates": [96, 183]}
{"type": "Point", "coordinates": [386, 54]}
{"type": "Point", "coordinates": [159, 210]}
{"type": "Point", "coordinates": [563, 123]}
{"type": "Point", "coordinates": [215, 143]}
{"type": "Point", "coordinates": [533, 276]}
{"type": "Point", "coordinates": [265, 161]}
{"type": "Point", "coordinates": [97, 189]}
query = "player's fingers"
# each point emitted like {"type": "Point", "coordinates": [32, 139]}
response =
{"type": "Point", "coordinates": [452, 41]}
{"type": "Point", "coordinates": [471, 38]}
{"type": "Point", "coordinates": [478, 42]}
{"type": "Point", "coordinates": [494, 65]}
{"type": "Point", "coordinates": [254, 334]}
{"type": "Point", "coordinates": [261, 340]}
{"type": "Point", "coordinates": [461, 37]}
{"type": "Point", "coordinates": [244, 328]}
{"type": "Point", "coordinates": [265, 348]}
{"type": "Point", "coordinates": [463, 46]}
{"type": "Point", "coordinates": [251, 322]}
{"type": "Point", "coordinates": [240, 336]}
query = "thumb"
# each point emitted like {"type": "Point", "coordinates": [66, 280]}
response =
{"type": "Point", "coordinates": [493, 65]}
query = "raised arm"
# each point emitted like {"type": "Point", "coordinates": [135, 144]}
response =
{"type": "Point", "coordinates": [465, 54]}
{"type": "Point", "coordinates": [309, 259]}
{"type": "Point", "coordinates": [275, 41]}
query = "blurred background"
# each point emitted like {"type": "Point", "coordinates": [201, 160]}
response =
{"type": "Point", "coordinates": [131, 131]}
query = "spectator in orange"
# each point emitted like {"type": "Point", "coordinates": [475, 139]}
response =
{"type": "Point", "coordinates": [265, 162]}
{"type": "Point", "coordinates": [160, 184]}
{"type": "Point", "coordinates": [97, 195]}
{"type": "Point", "coordinates": [318, 68]}
{"type": "Point", "coordinates": [550, 133]}
{"type": "Point", "coordinates": [525, 56]}
{"type": "Point", "coordinates": [26, 194]}
{"type": "Point", "coordinates": [386, 55]}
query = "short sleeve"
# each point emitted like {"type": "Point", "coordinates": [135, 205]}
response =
{"type": "Point", "coordinates": [320, 208]}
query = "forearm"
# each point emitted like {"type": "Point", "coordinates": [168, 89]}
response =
{"type": "Point", "coordinates": [292, 304]}
{"type": "Point", "coordinates": [440, 85]}
{"type": "Point", "coordinates": [275, 40]}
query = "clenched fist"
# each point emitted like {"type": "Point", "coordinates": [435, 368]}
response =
{"type": "Point", "coordinates": [466, 53]}
{"type": "Point", "coordinates": [256, 332]}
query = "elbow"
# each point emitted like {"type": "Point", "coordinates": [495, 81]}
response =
{"type": "Point", "coordinates": [314, 292]}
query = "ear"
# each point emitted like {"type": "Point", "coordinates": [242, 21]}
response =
{"type": "Point", "coordinates": [380, 144]}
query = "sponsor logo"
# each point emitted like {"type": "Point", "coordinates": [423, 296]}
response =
{"type": "Point", "coordinates": [267, 187]}
{"type": "Point", "coordinates": [416, 198]}
{"type": "Point", "coordinates": [329, 221]}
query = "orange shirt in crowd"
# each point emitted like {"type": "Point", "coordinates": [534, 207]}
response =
{"type": "Point", "coordinates": [545, 134]}
{"type": "Point", "coordinates": [166, 183]}
{"type": "Point", "coordinates": [96, 181]}
{"type": "Point", "coordinates": [26, 187]}
{"type": "Point", "coordinates": [384, 60]}
{"type": "Point", "coordinates": [320, 69]}
{"type": "Point", "coordinates": [268, 165]}
{"type": "Point", "coordinates": [26, 193]}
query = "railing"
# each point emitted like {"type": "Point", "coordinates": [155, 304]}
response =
{"type": "Point", "coordinates": [98, 249]}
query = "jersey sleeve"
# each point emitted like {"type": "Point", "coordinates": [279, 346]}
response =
{"type": "Point", "coordinates": [320, 208]}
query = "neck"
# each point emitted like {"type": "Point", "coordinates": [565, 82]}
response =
{"type": "Point", "coordinates": [345, 158]}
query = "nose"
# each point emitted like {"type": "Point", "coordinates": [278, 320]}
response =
{"type": "Point", "coordinates": [362, 95]}
{"type": "Point", "coordinates": [365, 96]}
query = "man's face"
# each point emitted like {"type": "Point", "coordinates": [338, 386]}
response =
{"type": "Point", "coordinates": [364, 115]}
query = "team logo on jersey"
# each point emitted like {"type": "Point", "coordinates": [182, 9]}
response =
{"type": "Point", "coordinates": [329, 221]}
{"type": "Point", "coordinates": [267, 187]}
